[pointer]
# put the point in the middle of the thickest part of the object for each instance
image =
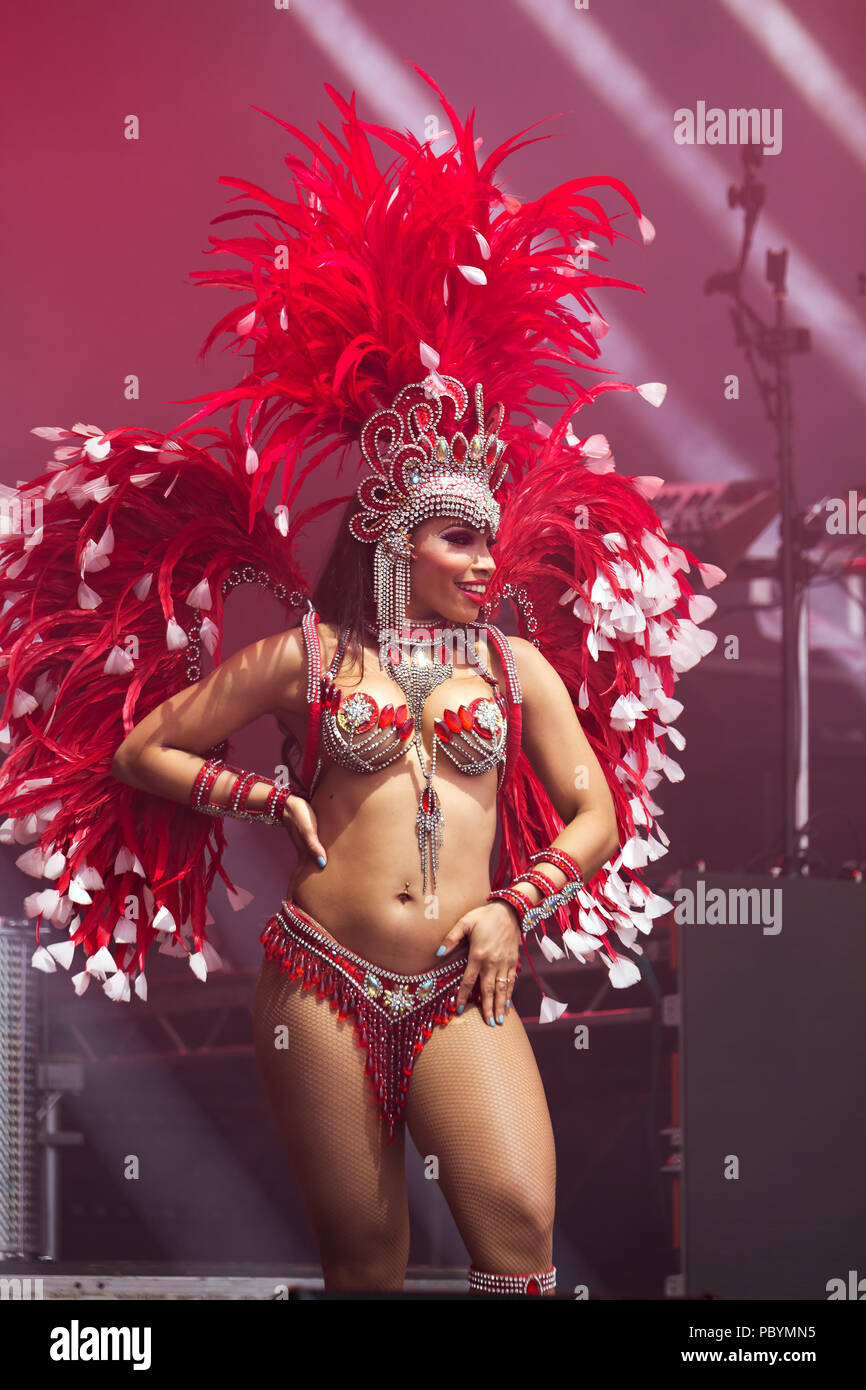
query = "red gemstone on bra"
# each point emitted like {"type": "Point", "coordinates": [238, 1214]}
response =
{"type": "Point", "coordinates": [443, 654]}
{"type": "Point", "coordinates": [452, 720]}
{"type": "Point", "coordinates": [394, 656]}
{"type": "Point", "coordinates": [406, 730]}
{"type": "Point", "coordinates": [386, 717]}
{"type": "Point", "coordinates": [485, 733]}
{"type": "Point", "coordinates": [442, 730]}
{"type": "Point", "coordinates": [465, 717]}
{"type": "Point", "coordinates": [400, 714]}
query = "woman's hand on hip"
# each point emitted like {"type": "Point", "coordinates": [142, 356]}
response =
{"type": "Point", "coordinates": [299, 819]}
{"type": "Point", "coordinates": [494, 950]}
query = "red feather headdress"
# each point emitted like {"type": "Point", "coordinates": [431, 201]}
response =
{"type": "Point", "coordinates": [369, 276]}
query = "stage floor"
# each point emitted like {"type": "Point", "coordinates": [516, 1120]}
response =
{"type": "Point", "coordinates": [160, 1281]}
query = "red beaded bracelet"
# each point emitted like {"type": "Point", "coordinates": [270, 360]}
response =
{"type": "Point", "coordinates": [512, 896]}
{"type": "Point", "coordinates": [277, 802]}
{"type": "Point", "coordinates": [515, 899]}
{"type": "Point", "coordinates": [554, 855]}
{"type": "Point", "coordinates": [539, 879]}
{"type": "Point", "coordinates": [204, 780]}
{"type": "Point", "coordinates": [270, 814]}
{"type": "Point", "coordinates": [241, 790]}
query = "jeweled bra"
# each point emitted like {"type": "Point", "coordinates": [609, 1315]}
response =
{"type": "Point", "coordinates": [354, 732]}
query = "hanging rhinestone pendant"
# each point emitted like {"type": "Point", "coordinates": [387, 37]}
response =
{"type": "Point", "coordinates": [429, 822]}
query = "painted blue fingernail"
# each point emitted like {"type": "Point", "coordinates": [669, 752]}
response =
{"type": "Point", "coordinates": [508, 1003]}
{"type": "Point", "coordinates": [441, 951]}
{"type": "Point", "coordinates": [460, 1008]}
{"type": "Point", "coordinates": [320, 860]}
{"type": "Point", "coordinates": [501, 1019]}
{"type": "Point", "coordinates": [493, 1023]}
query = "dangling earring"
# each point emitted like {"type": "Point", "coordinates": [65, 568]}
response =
{"type": "Point", "coordinates": [404, 585]}
{"type": "Point", "coordinates": [391, 585]}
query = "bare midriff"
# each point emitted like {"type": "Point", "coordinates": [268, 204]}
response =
{"type": "Point", "coordinates": [366, 821]}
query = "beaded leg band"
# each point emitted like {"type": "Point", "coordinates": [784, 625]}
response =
{"type": "Point", "coordinates": [482, 1282]}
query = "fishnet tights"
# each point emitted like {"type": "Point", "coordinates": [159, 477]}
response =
{"type": "Point", "coordinates": [476, 1103]}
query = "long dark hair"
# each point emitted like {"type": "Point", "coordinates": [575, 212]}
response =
{"type": "Point", "coordinates": [343, 595]}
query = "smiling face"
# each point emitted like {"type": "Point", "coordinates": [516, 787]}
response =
{"type": "Point", "coordinates": [451, 567]}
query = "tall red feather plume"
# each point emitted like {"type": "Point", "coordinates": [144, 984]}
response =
{"type": "Point", "coordinates": [345, 281]}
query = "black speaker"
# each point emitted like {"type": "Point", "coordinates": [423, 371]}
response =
{"type": "Point", "coordinates": [771, 1086]}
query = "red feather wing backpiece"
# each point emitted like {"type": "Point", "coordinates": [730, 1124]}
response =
{"type": "Point", "coordinates": [602, 593]}
{"type": "Point", "coordinates": [112, 583]}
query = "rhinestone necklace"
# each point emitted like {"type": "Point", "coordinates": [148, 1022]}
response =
{"type": "Point", "coordinates": [418, 672]}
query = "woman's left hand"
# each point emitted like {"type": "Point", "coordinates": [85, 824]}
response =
{"type": "Point", "coordinates": [494, 949]}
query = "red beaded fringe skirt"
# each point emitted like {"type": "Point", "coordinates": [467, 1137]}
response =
{"type": "Point", "coordinates": [393, 1015]}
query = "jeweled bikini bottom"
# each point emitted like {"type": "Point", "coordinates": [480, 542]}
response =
{"type": "Point", "coordinates": [393, 1015]}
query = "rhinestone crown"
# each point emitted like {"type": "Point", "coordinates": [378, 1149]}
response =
{"type": "Point", "coordinates": [419, 471]}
